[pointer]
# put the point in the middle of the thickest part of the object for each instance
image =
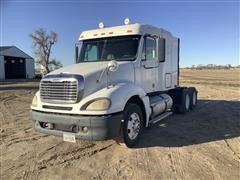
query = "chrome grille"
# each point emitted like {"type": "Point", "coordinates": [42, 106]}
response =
{"type": "Point", "coordinates": [59, 90]}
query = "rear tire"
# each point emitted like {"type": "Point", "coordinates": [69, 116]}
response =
{"type": "Point", "coordinates": [185, 101]}
{"type": "Point", "coordinates": [132, 126]}
{"type": "Point", "coordinates": [193, 102]}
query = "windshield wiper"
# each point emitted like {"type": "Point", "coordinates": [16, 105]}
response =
{"type": "Point", "coordinates": [125, 59]}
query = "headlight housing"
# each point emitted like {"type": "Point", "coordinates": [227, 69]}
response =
{"type": "Point", "coordinates": [100, 104]}
{"type": "Point", "coordinates": [34, 101]}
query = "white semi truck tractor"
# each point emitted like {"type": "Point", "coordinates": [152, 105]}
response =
{"type": "Point", "coordinates": [124, 79]}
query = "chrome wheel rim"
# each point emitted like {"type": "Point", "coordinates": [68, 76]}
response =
{"type": "Point", "coordinates": [187, 102]}
{"type": "Point", "coordinates": [133, 126]}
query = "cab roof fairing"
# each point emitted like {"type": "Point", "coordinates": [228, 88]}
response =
{"type": "Point", "coordinates": [124, 30]}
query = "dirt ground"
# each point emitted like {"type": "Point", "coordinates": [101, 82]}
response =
{"type": "Point", "coordinates": [202, 144]}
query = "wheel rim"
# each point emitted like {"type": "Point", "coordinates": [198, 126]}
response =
{"type": "Point", "coordinates": [187, 102]}
{"type": "Point", "coordinates": [194, 100]}
{"type": "Point", "coordinates": [133, 126]}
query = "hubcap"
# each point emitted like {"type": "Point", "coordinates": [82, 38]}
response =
{"type": "Point", "coordinates": [133, 126]}
{"type": "Point", "coordinates": [187, 102]}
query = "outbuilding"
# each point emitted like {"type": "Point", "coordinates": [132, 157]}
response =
{"type": "Point", "coordinates": [15, 64]}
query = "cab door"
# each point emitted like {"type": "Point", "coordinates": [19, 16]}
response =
{"type": "Point", "coordinates": [149, 64]}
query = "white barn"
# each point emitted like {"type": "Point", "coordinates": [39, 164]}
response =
{"type": "Point", "coordinates": [15, 64]}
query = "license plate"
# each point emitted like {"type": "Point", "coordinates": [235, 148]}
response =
{"type": "Point", "coordinates": [69, 137]}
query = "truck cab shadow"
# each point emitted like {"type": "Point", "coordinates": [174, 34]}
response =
{"type": "Point", "coordinates": [211, 120]}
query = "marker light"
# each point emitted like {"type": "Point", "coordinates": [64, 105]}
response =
{"type": "Point", "coordinates": [101, 25]}
{"type": "Point", "coordinates": [34, 101]}
{"type": "Point", "coordinates": [127, 21]}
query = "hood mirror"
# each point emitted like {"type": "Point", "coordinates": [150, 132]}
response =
{"type": "Point", "coordinates": [112, 66]}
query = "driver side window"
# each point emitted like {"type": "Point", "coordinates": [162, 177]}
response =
{"type": "Point", "coordinates": [149, 49]}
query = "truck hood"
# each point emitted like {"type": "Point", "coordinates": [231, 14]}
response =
{"type": "Point", "coordinates": [84, 69]}
{"type": "Point", "coordinates": [92, 71]}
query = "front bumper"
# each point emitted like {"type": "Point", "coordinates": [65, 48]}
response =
{"type": "Point", "coordinates": [98, 127]}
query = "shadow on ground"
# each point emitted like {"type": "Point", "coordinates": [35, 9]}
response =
{"type": "Point", "coordinates": [212, 120]}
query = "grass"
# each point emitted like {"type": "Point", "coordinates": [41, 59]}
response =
{"type": "Point", "coordinates": [229, 78]}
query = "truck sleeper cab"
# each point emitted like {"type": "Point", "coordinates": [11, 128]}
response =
{"type": "Point", "coordinates": [124, 78]}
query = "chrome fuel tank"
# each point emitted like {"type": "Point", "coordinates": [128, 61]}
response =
{"type": "Point", "coordinates": [160, 103]}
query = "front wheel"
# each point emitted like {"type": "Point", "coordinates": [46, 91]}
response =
{"type": "Point", "coordinates": [133, 125]}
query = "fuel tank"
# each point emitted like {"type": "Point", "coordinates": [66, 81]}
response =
{"type": "Point", "coordinates": [160, 104]}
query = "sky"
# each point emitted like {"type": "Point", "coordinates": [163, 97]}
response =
{"type": "Point", "coordinates": [208, 29]}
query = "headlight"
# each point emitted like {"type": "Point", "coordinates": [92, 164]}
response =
{"type": "Point", "coordinates": [98, 105]}
{"type": "Point", "coordinates": [34, 101]}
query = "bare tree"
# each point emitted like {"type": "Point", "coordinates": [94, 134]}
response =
{"type": "Point", "coordinates": [42, 44]}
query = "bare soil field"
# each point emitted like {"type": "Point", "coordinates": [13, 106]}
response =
{"type": "Point", "coordinates": [202, 144]}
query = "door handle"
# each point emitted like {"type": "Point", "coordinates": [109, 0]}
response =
{"type": "Point", "coordinates": [148, 67]}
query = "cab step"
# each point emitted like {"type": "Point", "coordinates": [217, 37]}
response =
{"type": "Point", "coordinates": [160, 117]}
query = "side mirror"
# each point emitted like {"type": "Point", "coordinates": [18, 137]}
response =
{"type": "Point", "coordinates": [76, 54]}
{"type": "Point", "coordinates": [143, 52]}
{"type": "Point", "coordinates": [161, 49]}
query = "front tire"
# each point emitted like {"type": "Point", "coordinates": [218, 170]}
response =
{"type": "Point", "coordinates": [133, 125]}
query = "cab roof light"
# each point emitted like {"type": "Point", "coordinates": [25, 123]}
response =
{"type": "Point", "coordinates": [101, 25]}
{"type": "Point", "coordinates": [129, 31]}
{"type": "Point", "coordinates": [110, 33]}
{"type": "Point", "coordinates": [102, 33]}
{"type": "Point", "coordinates": [95, 34]}
{"type": "Point", "coordinates": [127, 21]}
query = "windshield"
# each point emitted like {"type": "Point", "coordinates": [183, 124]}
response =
{"type": "Point", "coordinates": [121, 48]}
